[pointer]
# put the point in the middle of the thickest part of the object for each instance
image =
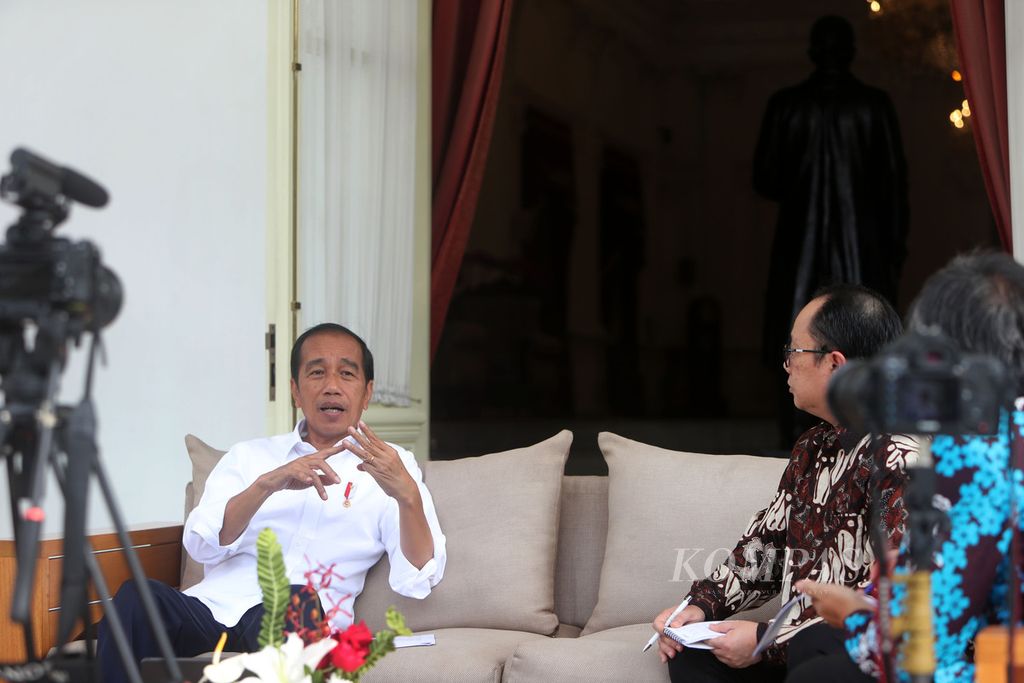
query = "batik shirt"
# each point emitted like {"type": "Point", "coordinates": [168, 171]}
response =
{"type": "Point", "coordinates": [816, 527]}
{"type": "Point", "coordinates": [971, 563]}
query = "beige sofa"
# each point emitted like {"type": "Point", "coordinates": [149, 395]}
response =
{"type": "Point", "coordinates": [556, 578]}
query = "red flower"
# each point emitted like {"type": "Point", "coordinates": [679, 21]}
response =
{"type": "Point", "coordinates": [357, 634]}
{"type": "Point", "coordinates": [345, 657]}
{"type": "Point", "coordinates": [353, 647]}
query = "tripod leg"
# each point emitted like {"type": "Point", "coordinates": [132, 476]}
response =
{"type": "Point", "coordinates": [878, 538]}
{"type": "Point", "coordinates": [29, 519]}
{"type": "Point", "coordinates": [124, 649]}
{"type": "Point", "coordinates": [116, 628]}
{"type": "Point", "coordinates": [145, 595]}
{"type": "Point", "coordinates": [76, 437]}
{"type": "Point", "coordinates": [13, 485]}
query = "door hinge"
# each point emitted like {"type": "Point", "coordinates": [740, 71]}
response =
{"type": "Point", "coordinates": [270, 342]}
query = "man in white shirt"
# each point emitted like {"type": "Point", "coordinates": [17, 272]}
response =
{"type": "Point", "coordinates": [332, 491]}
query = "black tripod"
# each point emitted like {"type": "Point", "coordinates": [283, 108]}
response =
{"type": "Point", "coordinates": [923, 522]}
{"type": "Point", "coordinates": [51, 291]}
{"type": "Point", "coordinates": [35, 433]}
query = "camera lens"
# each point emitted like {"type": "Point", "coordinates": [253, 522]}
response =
{"type": "Point", "coordinates": [849, 395]}
{"type": "Point", "coordinates": [107, 298]}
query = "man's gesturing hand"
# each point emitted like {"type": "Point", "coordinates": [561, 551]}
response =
{"type": "Point", "coordinates": [381, 461]}
{"type": "Point", "coordinates": [833, 602]}
{"type": "Point", "coordinates": [301, 473]}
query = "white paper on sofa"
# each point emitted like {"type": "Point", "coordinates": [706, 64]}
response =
{"type": "Point", "coordinates": [417, 640]}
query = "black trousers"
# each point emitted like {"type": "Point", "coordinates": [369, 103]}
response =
{"type": "Point", "coordinates": [814, 654]}
{"type": "Point", "coordinates": [189, 624]}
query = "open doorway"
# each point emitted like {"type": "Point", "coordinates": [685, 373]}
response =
{"type": "Point", "coordinates": [615, 274]}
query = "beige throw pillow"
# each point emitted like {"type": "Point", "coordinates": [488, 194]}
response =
{"type": "Point", "coordinates": [204, 458]}
{"type": "Point", "coordinates": [499, 514]}
{"type": "Point", "coordinates": [672, 517]}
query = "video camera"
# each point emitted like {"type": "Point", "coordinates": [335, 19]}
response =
{"type": "Point", "coordinates": [921, 384]}
{"type": "Point", "coordinates": [58, 286]}
{"type": "Point", "coordinates": [40, 273]}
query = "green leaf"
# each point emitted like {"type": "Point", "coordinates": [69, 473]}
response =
{"type": "Point", "coordinates": [383, 643]}
{"type": "Point", "coordinates": [396, 622]}
{"type": "Point", "coordinates": [273, 581]}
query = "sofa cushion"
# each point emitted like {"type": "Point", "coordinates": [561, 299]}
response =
{"type": "Point", "coordinates": [204, 458]}
{"type": "Point", "coordinates": [470, 655]}
{"type": "Point", "coordinates": [499, 514]}
{"type": "Point", "coordinates": [611, 656]}
{"type": "Point", "coordinates": [459, 654]}
{"type": "Point", "coordinates": [582, 529]}
{"type": "Point", "coordinates": [672, 518]}
{"type": "Point", "coordinates": [567, 631]}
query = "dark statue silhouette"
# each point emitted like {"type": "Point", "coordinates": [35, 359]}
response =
{"type": "Point", "coordinates": [830, 154]}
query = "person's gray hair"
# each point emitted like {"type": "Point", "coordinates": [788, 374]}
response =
{"type": "Point", "coordinates": [977, 300]}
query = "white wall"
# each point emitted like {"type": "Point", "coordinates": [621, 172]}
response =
{"type": "Point", "coordinates": [1015, 116]}
{"type": "Point", "coordinates": [164, 102]}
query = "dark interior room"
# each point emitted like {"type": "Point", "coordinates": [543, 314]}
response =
{"type": "Point", "coordinates": [616, 271]}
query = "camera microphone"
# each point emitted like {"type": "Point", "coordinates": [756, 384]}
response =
{"type": "Point", "coordinates": [36, 172]}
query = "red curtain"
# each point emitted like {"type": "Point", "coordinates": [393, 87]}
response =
{"type": "Point", "coordinates": [469, 38]}
{"type": "Point", "coordinates": [980, 29]}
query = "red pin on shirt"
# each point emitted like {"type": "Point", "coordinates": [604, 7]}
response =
{"type": "Point", "coordinates": [348, 492]}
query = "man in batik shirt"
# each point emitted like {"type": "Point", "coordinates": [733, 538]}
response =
{"type": "Point", "coordinates": [978, 301]}
{"type": "Point", "coordinates": [817, 524]}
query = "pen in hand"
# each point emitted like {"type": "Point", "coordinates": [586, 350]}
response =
{"type": "Point", "coordinates": [668, 622]}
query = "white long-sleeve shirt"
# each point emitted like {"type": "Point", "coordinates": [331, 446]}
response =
{"type": "Point", "coordinates": [311, 531]}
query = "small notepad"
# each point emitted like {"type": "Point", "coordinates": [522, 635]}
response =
{"type": "Point", "coordinates": [414, 641]}
{"type": "Point", "coordinates": [694, 635]}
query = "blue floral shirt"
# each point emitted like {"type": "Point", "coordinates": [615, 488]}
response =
{"type": "Point", "coordinates": [971, 565]}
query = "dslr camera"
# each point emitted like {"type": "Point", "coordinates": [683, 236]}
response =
{"type": "Point", "coordinates": [921, 384]}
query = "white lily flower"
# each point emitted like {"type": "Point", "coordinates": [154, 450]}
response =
{"type": "Point", "coordinates": [314, 652]}
{"type": "Point", "coordinates": [287, 664]}
{"type": "Point", "coordinates": [284, 664]}
{"type": "Point", "coordinates": [227, 671]}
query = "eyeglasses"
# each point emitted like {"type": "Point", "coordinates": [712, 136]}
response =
{"type": "Point", "coordinates": [788, 351]}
